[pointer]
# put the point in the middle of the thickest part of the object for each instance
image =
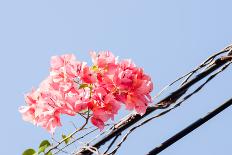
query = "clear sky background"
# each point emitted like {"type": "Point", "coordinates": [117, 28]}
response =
{"type": "Point", "coordinates": [165, 37]}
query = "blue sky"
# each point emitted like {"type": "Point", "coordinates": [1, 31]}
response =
{"type": "Point", "coordinates": [166, 38]}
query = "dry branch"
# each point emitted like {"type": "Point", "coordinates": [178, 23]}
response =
{"type": "Point", "coordinates": [212, 64]}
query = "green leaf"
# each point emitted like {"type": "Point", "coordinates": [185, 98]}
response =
{"type": "Point", "coordinates": [43, 145]}
{"type": "Point", "coordinates": [66, 138]}
{"type": "Point", "coordinates": [49, 153]}
{"type": "Point", "coordinates": [29, 152]}
{"type": "Point", "coordinates": [94, 68]}
{"type": "Point", "coordinates": [44, 142]}
{"type": "Point", "coordinates": [83, 85]}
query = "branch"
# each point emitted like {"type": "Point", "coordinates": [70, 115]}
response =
{"type": "Point", "coordinates": [168, 110]}
{"type": "Point", "coordinates": [170, 99]}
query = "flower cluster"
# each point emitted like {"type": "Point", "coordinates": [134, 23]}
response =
{"type": "Point", "coordinates": [73, 87]}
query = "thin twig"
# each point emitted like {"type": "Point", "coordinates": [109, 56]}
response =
{"type": "Point", "coordinates": [75, 140]}
{"type": "Point", "coordinates": [69, 136]}
{"type": "Point", "coordinates": [111, 144]}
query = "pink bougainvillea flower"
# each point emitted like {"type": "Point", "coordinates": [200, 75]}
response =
{"type": "Point", "coordinates": [49, 120]}
{"type": "Point", "coordinates": [105, 102]}
{"type": "Point", "coordinates": [88, 75]}
{"type": "Point", "coordinates": [72, 87]}
{"type": "Point", "coordinates": [104, 106]}
{"type": "Point", "coordinates": [64, 69]}
{"type": "Point", "coordinates": [38, 110]}
{"type": "Point", "coordinates": [105, 61]}
{"type": "Point", "coordinates": [28, 113]}
{"type": "Point", "coordinates": [98, 123]}
{"type": "Point", "coordinates": [134, 86]}
{"type": "Point", "coordinates": [78, 99]}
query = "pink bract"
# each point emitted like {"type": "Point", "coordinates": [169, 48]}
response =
{"type": "Point", "coordinates": [73, 87]}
